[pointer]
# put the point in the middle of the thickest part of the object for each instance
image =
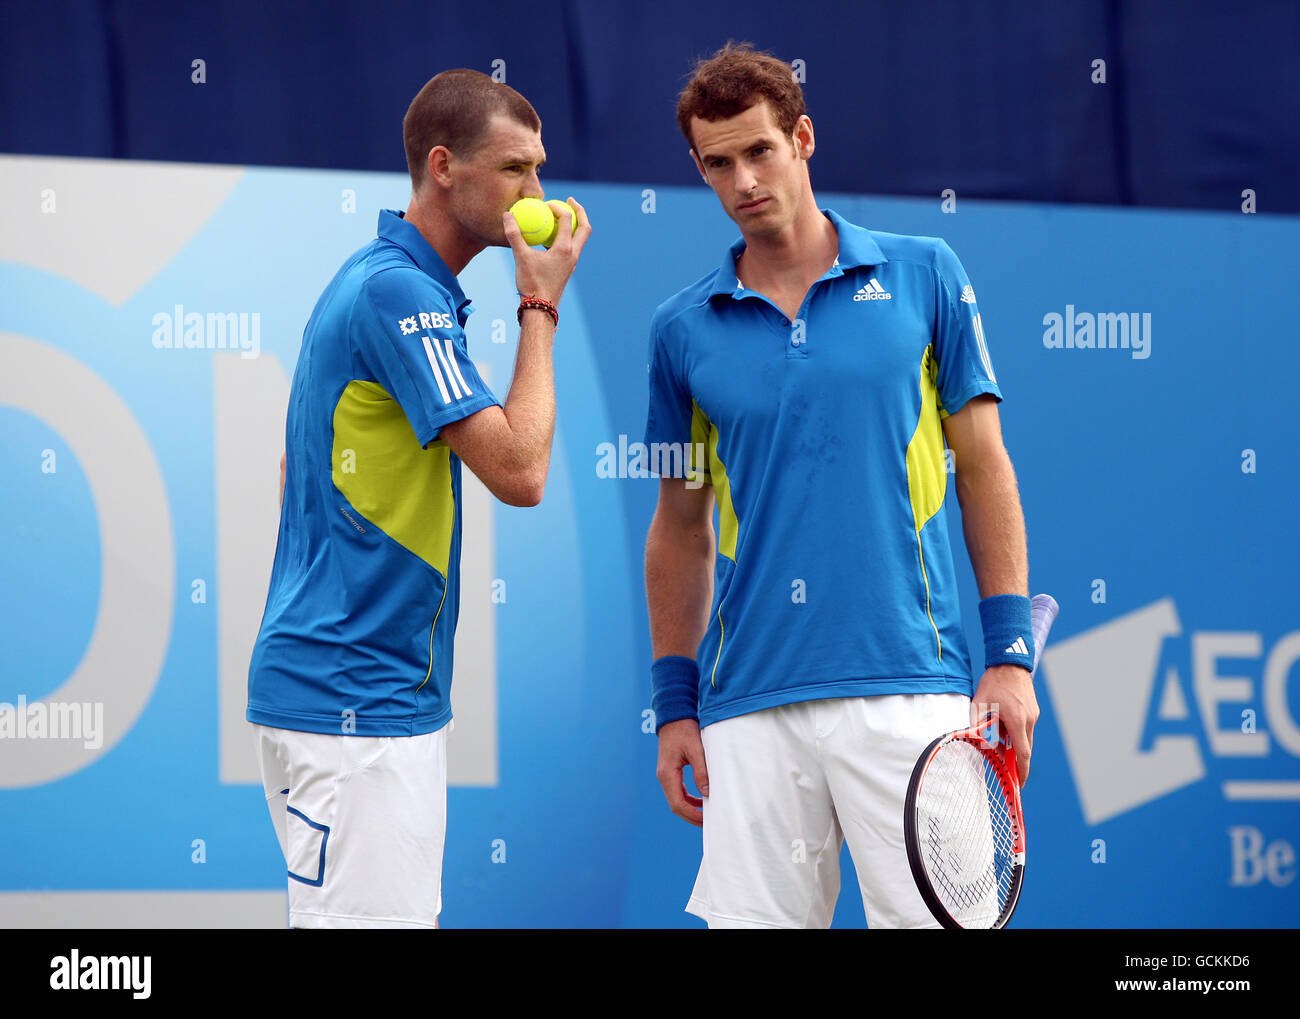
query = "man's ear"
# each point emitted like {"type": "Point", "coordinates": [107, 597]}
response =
{"type": "Point", "coordinates": [438, 165]}
{"type": "Point", "coordinates": [803, 139]}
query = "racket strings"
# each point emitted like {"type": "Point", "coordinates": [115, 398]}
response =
{"type": "Point", "coordinates": [967, 833]}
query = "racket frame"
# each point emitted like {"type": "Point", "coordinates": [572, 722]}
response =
{"type": "Point", "coordinates": [1002, 758]}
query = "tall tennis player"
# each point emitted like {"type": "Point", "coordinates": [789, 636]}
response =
{"type": "Point", "coordinates": [808, 648]}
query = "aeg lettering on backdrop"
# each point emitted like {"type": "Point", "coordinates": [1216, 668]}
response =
{"type": "Point", "coordinates": [1168, 694]}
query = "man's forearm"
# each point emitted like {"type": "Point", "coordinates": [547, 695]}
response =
{"type": "Point", "coordinates": [679, 587]}
{"type": "Point", "coordinates": [994, 525]}
{"type": "Point", "coordinates": [530, 404]}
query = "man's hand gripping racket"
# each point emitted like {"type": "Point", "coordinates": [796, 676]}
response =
{"type": "Point", "coordinates": [962, 819]}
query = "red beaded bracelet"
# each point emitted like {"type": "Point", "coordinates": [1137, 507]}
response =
{"type": "Point", "coordinates": [541, 303]}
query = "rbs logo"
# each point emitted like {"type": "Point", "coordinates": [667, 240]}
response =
{"type": "Point", "coordinates": [426, 320]}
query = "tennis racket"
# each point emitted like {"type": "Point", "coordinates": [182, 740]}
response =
{"type": "Point", "coordinates": [962, 820]}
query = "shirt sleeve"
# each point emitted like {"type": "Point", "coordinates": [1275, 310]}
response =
{"type": "Point", "coordinates": [965, 369]}
{"type": "Point", "coordinates": [672, 415]}
{"type": "Point", "coordinates": [408, 336]}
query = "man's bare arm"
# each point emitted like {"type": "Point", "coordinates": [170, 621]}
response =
{"type": "Point", "coordinates": [509, 448]}
{"type": "Point", "coordinates": [994, 527]}
{"type": "Point", "coordinates": [992, 520]}
{"type": "Point", "coordinates": [679, 553]}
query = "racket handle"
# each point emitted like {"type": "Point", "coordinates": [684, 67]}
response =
{"type": "Point", "coordinates": [1042, 614]}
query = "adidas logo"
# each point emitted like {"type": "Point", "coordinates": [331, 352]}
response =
{"type": "Point", "coordinates": [873, 291]}
{"type": "Point", "coordinates": [1018, 648]}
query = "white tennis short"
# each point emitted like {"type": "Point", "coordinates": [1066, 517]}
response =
{"type": "Point", "coordinates": [788, 785]}
{"type": "Point", "coordinates": [361, 822]}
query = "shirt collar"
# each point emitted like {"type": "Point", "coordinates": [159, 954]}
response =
{"type": "Point", "coordinates": [394, 227]}
{"type": "Point", "coordinates": [857, 248]}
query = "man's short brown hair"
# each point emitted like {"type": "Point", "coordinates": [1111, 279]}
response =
{"type": "Point", "coordinates": [453, 109]}
{"type": "Point", "coordinates": [734, 79]}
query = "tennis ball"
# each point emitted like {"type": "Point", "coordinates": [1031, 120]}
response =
{"type": "Point", "coordinates": [556, 205]}
{"type": "Point", "coordinates": [536, 220]}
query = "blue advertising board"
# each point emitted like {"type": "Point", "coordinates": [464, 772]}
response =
{"type": "Point", "coordinates": [150, 318]}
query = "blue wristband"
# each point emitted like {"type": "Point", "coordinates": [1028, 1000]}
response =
{"type": "Point", "coordinates": [675, 689]}
{"type": "Point", "coordinates": [1008, 632]}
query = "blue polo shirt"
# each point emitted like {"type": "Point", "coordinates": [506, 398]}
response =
{"type": "Point", "coordinates": [822, 440]}
{"type": "Point", "coordinates": [359, 623]}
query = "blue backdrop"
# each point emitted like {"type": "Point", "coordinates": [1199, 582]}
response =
{"type": "Point", "coordinates": [1159, 488]}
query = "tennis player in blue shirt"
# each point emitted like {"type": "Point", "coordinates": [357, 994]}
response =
{"type": "Point", "coordinates": [808, 651]}
{"type": "Point", "coordinates": [350, 680]}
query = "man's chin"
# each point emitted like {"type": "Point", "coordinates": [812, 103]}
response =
{"type": "Point", "coordinates": [497, 238]}
{"type": "Point", "coordinates": [758, 226]}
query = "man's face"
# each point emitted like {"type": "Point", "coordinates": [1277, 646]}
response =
{"type": "Point", "coordinates": [503, 169]}
{"type": "Point", "coordinates": [757, 171]}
